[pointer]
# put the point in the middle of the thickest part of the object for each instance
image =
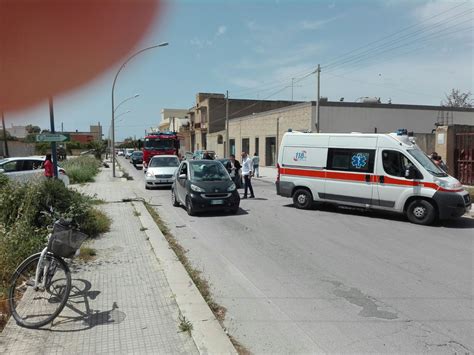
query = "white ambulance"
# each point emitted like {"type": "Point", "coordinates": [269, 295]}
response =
{"type": "Point", "coordinates": [375, 171]}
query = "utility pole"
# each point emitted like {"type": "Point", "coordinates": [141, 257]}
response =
{"type": "Point", "coordinates": [53, 144]}
{"type": "Point", "coordinates": [227, 151]}
{"type": "Point", "coordinates": [5, 136]}
{"type": "Point", "coordinates": [318, 71]}
{"type": "Point", "coordinates": [292, 85]}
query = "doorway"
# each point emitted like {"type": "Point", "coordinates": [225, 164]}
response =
{"type": "Point", "coordinates": [270, 151]}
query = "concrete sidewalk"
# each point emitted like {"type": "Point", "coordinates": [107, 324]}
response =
{"type": "Point", "coordinates": [121, 302]}
{"type": "Point", "coordinates": [267, 174]}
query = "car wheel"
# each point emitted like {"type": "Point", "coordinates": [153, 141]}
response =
{"type": "Point", "coordinates": [189, 207]}
{"type": "Point", "coordinates": [174, 200]}
{"type": "Point", "coordinates": [421, 212]}
{"type": "Point", "coordinates": [147, 187]}
{"type": "Point", "coordinates": [302, 199]}
{"type": "Point", "coordinates": [234, 210]}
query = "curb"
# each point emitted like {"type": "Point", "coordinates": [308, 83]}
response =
{"type": "Point", "coordinates": [207, 332]}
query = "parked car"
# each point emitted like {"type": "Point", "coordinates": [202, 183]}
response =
{"type": "Point", "coordinates": [200, 154]}
{"type": "Point", "coordinates": [378, 171]}
{"type": "Point", "coordinates": [136, 157]}
{"type": "Point", "coordinates": [161, 171]}
{"type": "Point", "coordinates": [128, 153]}
{"type": "Point", "coordinates": [25, 169]}
{"type": "Point", "coordinates": [188, 156]}
{"type": "Point", "coordinates": [204, 185]}
{"type": "Point", "coordinates": [120, 153]}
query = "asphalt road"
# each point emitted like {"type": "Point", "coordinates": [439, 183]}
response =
{"type": "Point", "coordinates": [331, 280]}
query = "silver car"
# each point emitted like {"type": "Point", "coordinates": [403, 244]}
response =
{"type": "Point", "coordinates": [26, 169]}
{"type": "Point", "coordinates": [161, 169]}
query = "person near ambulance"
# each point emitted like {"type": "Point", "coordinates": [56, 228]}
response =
{"type": "Point", "coordinates": [247, 173]}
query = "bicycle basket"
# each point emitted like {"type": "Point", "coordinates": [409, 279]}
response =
{"type": "Point", "coordinates": [65, 241]}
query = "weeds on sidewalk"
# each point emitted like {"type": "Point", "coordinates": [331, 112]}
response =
{"type": "Point", "coordinates": [196, 275]}
{"type": "Point", "coordinates": [136, 213]}
{"type": "Point", "coordinates": [87, 254]}
{"type": "Point", "coordinates": [24, 219]}
{"type": "Point", "coordinates": [81, 169]}
{"type": "Point", "coordinates": [185, 325]}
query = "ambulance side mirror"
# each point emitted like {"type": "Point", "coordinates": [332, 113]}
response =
{"type": "Point", "coordinates": [411, 173]}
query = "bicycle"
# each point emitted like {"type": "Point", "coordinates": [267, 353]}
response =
{"type": "Point", "coordinates": [41, 284]}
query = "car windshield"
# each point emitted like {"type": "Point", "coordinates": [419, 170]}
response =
{"type": "Point", "coordinates": [164, 162]}
{"type": "Point", "coordinates": [158, 144]}
{"type": "Point", "coordinates": [208, 171]}
{"type": "Point", "coordinates": [3, 161]}
{"type": "Point", "coordinates": [426, 162]}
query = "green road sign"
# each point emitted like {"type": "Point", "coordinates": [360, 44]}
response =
{"type": "Point", "coordinates": [53, 137]}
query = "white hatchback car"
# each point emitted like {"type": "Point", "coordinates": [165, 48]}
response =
{"type": "Point", "coordinates": [161, 169]}
{"type": "Point", "coordinates": [25, 169]}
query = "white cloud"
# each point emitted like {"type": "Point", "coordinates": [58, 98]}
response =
{"type": "Point", "coordinates": [317, 24]}
{"type": "Point", "coordinates": [244, 82]}
{"type": "Point", "coordinates": [221, 30]}
{"type": "Point", "coordinates": [201, 43]}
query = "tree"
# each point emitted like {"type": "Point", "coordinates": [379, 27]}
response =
{"type": "Point", "coordinates": [458, 99]}
{"type": "Point", "coordinates": [33, 129]}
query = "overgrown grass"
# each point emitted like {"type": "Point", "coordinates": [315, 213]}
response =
{"type": "Point", "coordinates": [24, 217]}
{"type": "Point", "coordinates": [196, 275]}
{"type": "Point", "coordinates": [81, 169]}
{"type": "Point", "coordinates": [87, 253]}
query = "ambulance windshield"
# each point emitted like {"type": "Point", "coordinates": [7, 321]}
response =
{"type": "Point", "coordinates": [427, 163]}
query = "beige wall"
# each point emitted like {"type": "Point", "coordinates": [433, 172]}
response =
{"type": "Point", "coordinates": [262, 125]}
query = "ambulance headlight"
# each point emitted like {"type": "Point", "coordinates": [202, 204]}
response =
{"type": "Point", "coordinates": [448, 184]}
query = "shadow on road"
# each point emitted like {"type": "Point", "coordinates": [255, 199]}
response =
{"type": "Point", "coordinates": [211, 214]}
{"type": "Point", "coordinates": [459, 223]}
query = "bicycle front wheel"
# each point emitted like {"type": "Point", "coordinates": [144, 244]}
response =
{"type": "Point", "coordinates": [34, 307]}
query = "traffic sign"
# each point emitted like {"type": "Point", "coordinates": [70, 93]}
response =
{"type": "Point", "coordinates": [53, 137]}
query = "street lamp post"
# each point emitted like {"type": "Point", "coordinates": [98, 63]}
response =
{"type": "Point", "coordinates": [109, 143]}
{"type": "Point", "coordinates": [113, 104]}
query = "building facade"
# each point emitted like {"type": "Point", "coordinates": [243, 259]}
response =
{"type": "Point", "coordinates": [208, 116]}
{"type": "Point", "coordinates": [261, 133]}
{"type": "Point", "coordinates": [172, 119]}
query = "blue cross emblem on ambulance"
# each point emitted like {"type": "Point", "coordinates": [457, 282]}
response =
{"type": "Point", "coordinates": [359, 161]}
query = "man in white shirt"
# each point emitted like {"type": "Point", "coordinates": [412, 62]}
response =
{"type": "Point", "coordinates": [247, 172]}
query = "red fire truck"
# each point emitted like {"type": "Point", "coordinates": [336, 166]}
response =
{"type": "Point", "coordinates": [159, 143]}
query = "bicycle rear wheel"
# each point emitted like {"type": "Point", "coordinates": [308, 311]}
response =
{"type": "Point", "coordinates": [34, 308]}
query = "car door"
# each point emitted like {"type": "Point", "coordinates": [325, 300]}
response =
{"type": "Point", "coordinates": [392, 186]}
{"type": "Point", "coordinates": [181, 183]}
{"type": "Point", "coordinates": [12, 169]}
{"type": "Point", "coordinates": [349, 176]}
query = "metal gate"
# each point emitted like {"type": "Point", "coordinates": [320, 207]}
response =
{"type": "Point", "coordinates": [464, 158]}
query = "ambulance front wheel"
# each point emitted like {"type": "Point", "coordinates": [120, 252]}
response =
{"type": "Point", "coordinates": [421, 212]}
{"type": "Point", "coordinates": [302, 199]}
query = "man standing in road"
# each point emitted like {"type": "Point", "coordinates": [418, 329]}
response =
{"type": "Point", "coordinates": [256, 161]}
{"type": "Point", "coordinates": [247, 171]}
{"type": "Point", "coordinates": [233, 167]}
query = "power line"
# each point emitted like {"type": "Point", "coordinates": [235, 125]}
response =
{"type": "Point", "coordinates": [358, 65]}
{"type": "Point", "coordinates": [343, 56]}
{"type": "Point", "coordinates": [431, 36]}
{"type": "Point", "coordinates": [383, 47]}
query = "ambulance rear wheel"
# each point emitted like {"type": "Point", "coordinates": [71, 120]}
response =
{"type": "Point", "coordinates": [302, 199]}
{"type": "Point", "coordinates": [421, 212]}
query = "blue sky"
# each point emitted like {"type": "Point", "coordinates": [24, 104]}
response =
{"type": "Point", "coordinates": [254, 49]}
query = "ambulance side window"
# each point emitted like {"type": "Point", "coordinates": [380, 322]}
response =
{"type": "Point", "coordinates": [358, 160]}
{"type": "Point", "coordinates": [395, 163]}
